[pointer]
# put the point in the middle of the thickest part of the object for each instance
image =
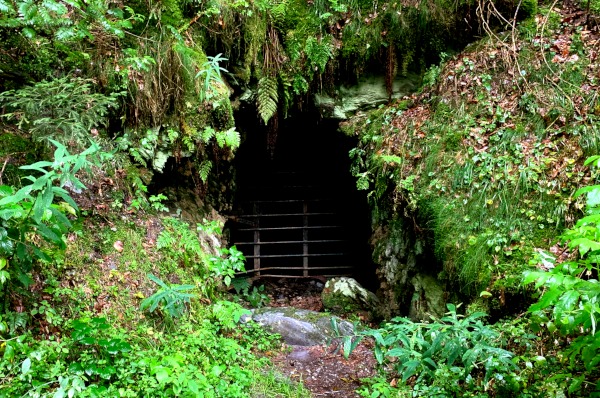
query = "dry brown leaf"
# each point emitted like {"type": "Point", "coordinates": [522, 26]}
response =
{"type": "Point", "coordinates": [118, 245]}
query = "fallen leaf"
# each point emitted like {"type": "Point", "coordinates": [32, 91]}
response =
{"type": "Point", "coordinates": [118, 245]}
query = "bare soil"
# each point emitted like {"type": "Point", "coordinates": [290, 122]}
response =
{"type": "Point", "coordinates": [322, 369]}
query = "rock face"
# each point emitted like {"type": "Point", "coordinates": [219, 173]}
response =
{"type": "Point", "coordinates": [301, 327]}
{"type": "Point", "coordinates": [367, 94]}
{"type": "Point", "coordinates": [428, 298]}
{"type": "Point", "coordinates": [347, 295]}
{"type": "Point", "coordinates": [404, 270]}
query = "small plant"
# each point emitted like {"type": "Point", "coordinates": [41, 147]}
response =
{"type": "Point", "coordinates": [225, 266]}
{"type": "Point", "coordinates": [442, 356]}
{"type": "Point", "coordinates": [255, 296]}
{"type": "Point", "coordinates": [570, 303]}
{"type": "Point", "coordinates": [171, 299]}
{"type": "Point", "coordinates": [63, 109]}
{"type": "Point", "coordinates": [30, 213]}
{"type": "Point", "coordinates": [156, 202]}
{"type": "Point", "coordinates": [211, 74]}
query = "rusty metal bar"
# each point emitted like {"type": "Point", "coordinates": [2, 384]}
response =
{"type": "Point", "coordinates": [300, 255]}
{"type": "Point", "coordinates": [256, 247]}
{"type": "Point", "coordinates": [285, 228]}
{"type": "Point", "coordinates": [298, 268]}
{"type": "Point", "coordinates": [305, 237]}
{"type": "Point", "coordinates": [293, 200]}
{"type": "Point", "coordinates": [286, 215]}
{"type": "Point", "coordinates": [290, 242]}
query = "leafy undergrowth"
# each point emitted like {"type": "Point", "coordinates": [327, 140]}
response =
{"type": "Point", "coordinates": [487, 161]}
{"type": "Point", "coordinates": [133, 308]}
{"type": "Point", "coordinates": [487, 156]}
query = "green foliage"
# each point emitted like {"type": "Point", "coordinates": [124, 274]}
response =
{"type": "Point", "coordinates": [267, 98]}
{"type": "Point", "coordinates": [65, 109]}
{"type": "Point", "coordinates": [570, 303]}
{"type": "Point", "coordinates": [211, 74]}
{"type": "Point", "coordinates": [230, 261]}
{"type": "Point", "coordinates": [30, 212]}
{"type": "Point", "coordinates": [455, 355]}
{"type": "Point", "coordinates": [67, 22]}
{"type": "Point", "coordinates": [171, 299]}
{"type": "Point", "coordinates": [255, 296]}
{"type": "Point", "coordinates": [485, 183]}
{"type": "Point", "coordinates": [186, 248]}
{"type": "Point", "coordinates": [96, 359]}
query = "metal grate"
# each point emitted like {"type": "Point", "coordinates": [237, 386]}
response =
{"type": "Point", "coordinates": [294, 230]}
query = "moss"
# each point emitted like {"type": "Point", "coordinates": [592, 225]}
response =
{"type": "Point", "coordinates": [254, 33]}
{"type": "Point", "coordinates": [171, 13]}
{"type": "Point", "coordinates": [528, 8]}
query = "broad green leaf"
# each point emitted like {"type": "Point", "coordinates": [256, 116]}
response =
{"type": "Point", "coordinates": [409, 369]}
{"type": "Point", "coordinates": [378, 354]}
{"type": "Point", "coordinates": [347, 346]}
{"type": "Point", "coordinates": [585, 245]}
{"type": "Point", "coordinates": [6, 190]}
{"type": "Point", "coordinates": [568, 300]}
{"type": "Point", "coordinates": [595, 160]}
{"type": "Point", "coordinates": [162, 375]}
{"type": "Point", "coordinates": [50, 235]}
{"type": "Point", "coordinates": [549, 298]}
{"type": "Point", "coordinates": [26, 366]}
{"type": "Point", "coordinates": [38, 209]}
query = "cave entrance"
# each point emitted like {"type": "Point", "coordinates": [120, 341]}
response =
{"type": "Point", "coordinates": [297, 212]}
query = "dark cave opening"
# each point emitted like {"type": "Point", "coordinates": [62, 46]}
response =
{"type": "Point", "coordinates": [297, 212]}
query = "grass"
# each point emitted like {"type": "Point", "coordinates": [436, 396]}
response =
{"type": "Point", "coordinates": [272, 384]}
{"type": "Point", "coordinates": [493, 160]}
{"type": "Point", "coordinates": [206, 349]}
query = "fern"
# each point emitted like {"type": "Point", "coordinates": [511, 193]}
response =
{"type": "Point", "coordinates": [267, 98]}
{"type": "Point", "coordinates": [204, 169]}
{"type": "Point", "coordinates": [287, 91]}
{"type": "Point", "coordinates": [229, 137]}
{"type": "Point", "coordinates": [173, 299]}
{"type": "Point", "coordinates": [207, 134]}
{"type": "Point", "coordinates": [318, 53]}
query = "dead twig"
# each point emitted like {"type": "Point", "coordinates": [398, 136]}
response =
{"type": "Point", "coordinates": [3, 168]}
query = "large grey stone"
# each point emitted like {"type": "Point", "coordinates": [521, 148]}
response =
{"type": "Point", "coordinates": [301, 327]}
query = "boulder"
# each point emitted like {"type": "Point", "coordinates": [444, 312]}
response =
{"type": "Point", "coordinates": [302, 327]}
{"type": "Point", "coordinates": [347, 295]}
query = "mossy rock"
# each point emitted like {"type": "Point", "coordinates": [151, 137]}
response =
{"type": "Point", "coordinates": [346, 295]}
{"type": "Point", "coordinates": [428, 298]}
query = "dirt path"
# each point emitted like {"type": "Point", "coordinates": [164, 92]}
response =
{"type": "Point", "coordinates": [322, 369]}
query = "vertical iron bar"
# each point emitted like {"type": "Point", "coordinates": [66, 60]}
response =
{"type": "Point", "coordinates": [305, 238]}
{"type": "Point", "coordinates": [256, 241]}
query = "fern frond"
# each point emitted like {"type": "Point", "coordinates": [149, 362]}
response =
{"type": "Point", "coordinates": [267, 98]}
{"type": "Point", "coordinates": [232, 138]}
{"type": "Point", "coordinates": [287, 91]}
{"type": "Point", "coordinates": [207, 134]}
{"type": "Point", "coordinates": [204, 169]}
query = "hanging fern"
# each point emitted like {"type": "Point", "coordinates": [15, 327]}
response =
{"type": "Point", "coordinates": [232, 138]}
{"type": "Point", "coordinates": [204, 169]}
{"type": "Point", "coordinates": [207, 134]}
{"type": "Point", "coordinates": [267, 98]}
{"type": "Point", "coordinates": [286, 91]}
